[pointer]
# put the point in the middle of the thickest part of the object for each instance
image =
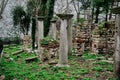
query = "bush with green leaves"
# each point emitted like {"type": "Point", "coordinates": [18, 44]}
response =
{"type": "Point", "coordinates": [101, 63]}
{"type": "Point", "coordinates": [82, 71]}
{"type": "Point", "coordinates": [47, 40]}
{"type": "Point", "coordinates": [21, 19]}
{"type": "Point", "coordinates": [97, 68]}
{"type": "Point", "coordinates": [87, 55]}
{"type": "Point", "coordinates": [81, 20]}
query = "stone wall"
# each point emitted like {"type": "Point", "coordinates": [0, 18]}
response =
{"type": "Point", "coordinates": [83, 33]}
{"type": "Point", "coordinates": [27, 42]}
{"type": "Point", "coordinates": [49, 54]}
{"type": "Point", "coordinates": [103, 42]}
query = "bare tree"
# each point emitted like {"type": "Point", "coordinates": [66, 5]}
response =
{"type": "Point", "coordinates": [3, 4]}
{"type": "Point", "coordinates": [80, 5]}
{"type": "Point", "coordinates": [76, 4]}
{"type": "Point", "coordinates": [63, 6]}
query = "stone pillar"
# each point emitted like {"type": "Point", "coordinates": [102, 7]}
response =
{"type": "Point", "coordinates": [83, 46]}
{"type": "Point", "coordinates": [117, 49]}
{"type": "Point", "coordinates": [40, 34]}
{"type": "Point", "coordinates": [53, 29]}
{"type": "Point", "coordinates": [40, 27]}
{"type": "Point", "coordinates": [63, 51]}
{"type": "Point", "coordinates": [69, 35]}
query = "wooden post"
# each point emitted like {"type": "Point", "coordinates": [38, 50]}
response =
{"type": "Point", "coordinates": [63, 52]}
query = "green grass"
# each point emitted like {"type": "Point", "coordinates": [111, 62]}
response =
{"type": "Point", "coordinates": [88, 79]}
{"type": "Point", "coordinates": [88, 55]}
{"type": "Point", "coordinates": [101, 63]}
{"type": "Point", "coordinates": [109, 68]}
{"type": "Point", "coordinates": [20, 70]}
{"type": "Point", "coordinates": [97, 68]}
{"type": "Point", "coordinates": [82, 71]}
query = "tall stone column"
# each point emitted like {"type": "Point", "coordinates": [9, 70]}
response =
{"type": "Point", "coordinates": [40, 27]}
{"type": "Point", "coordinates": [117, 44]}
{"type": "Point", "coordinates": [53, 29]}
{"type": "Point", "coordinates": [40, 33]}
{"type": "Point", "coordinates": [117, 49]}
{"type": "Point", "coordinates": [63, 51]}
{"type": "Point", "coordinates": [69, 34]}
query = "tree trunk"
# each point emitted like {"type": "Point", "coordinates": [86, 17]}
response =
{"type": "Point", "coordinates": [110, 16]}
{"type": "Point", "coordinates": [117, 49]}
{"type": "Point", "coordinates": [33, 32]}
{"type": "Point", "coordinates": [106, 18]}
{"type": "Point", "coordinates": [2, 7]}
{"type": "Point", "coordinates": [92, 14]}
{"type": "Point", "coordinates": [48, 16]}
{"type": "Point", "coordinates": [97, 14]}
{"type": "Point", "coordinates": [78, 16]}
{"type": "Point", "coordinates": [84, 15]}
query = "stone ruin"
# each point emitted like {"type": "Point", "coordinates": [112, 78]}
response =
{"type": "Point", "coordinates": [27, 42]}
{"type": "Point", "coordinates": [103, 42]}
{"type": "Point", "coordinates": [65, 41]}
{"type": "Point", "coordinates": [49, 52]}
{"type": "Point", "coordinates": [78, 45]}
{"type": "Point", "coordinates": [82, 33]}
{"type": "Point", "coordinates": [93, 39]}
{"type": "Point", "coordinates": [82, 37]}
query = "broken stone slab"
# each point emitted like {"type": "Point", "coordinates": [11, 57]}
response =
{"type": "Point", "coordinates": [92, 59]}
{"type": "Point", "coordinates": [6, 56]}
{"type": "Point", "coordinates": [62, 65]}
{"type": "Point", "coordinates": [10, 59]}
{"type": "Point", "coordinates": [77, 54]}
{"type": "Point", "coordinates": [31, 59]}
{"type": "Point", "coordinates": [101, 58]}
{"type": "Point", "coordinates": [2, 77]}
{"type": "Point", "coordinates": [29, 50]}
{"type": "Point", "coordinates": [108, 61]}
{"type": "Point", "coordinates": [52, 62]}
{"type": "Point", "coordinates": [17, 52]}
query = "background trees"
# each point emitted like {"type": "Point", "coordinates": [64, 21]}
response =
{"type": "Point", "coordinates": [48, 16]}
{"type": "Point", "coordinates": [97, 4]}
{"type": "Point", "coordinates": [3, 4]}
{"type": "Point", "coordinates": [21, 19]}
{"type": "Point", "coordinates": [43, 8]}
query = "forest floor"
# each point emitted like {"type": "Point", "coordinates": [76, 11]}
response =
{"type": "Point", "coordinates": [86, 67]}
